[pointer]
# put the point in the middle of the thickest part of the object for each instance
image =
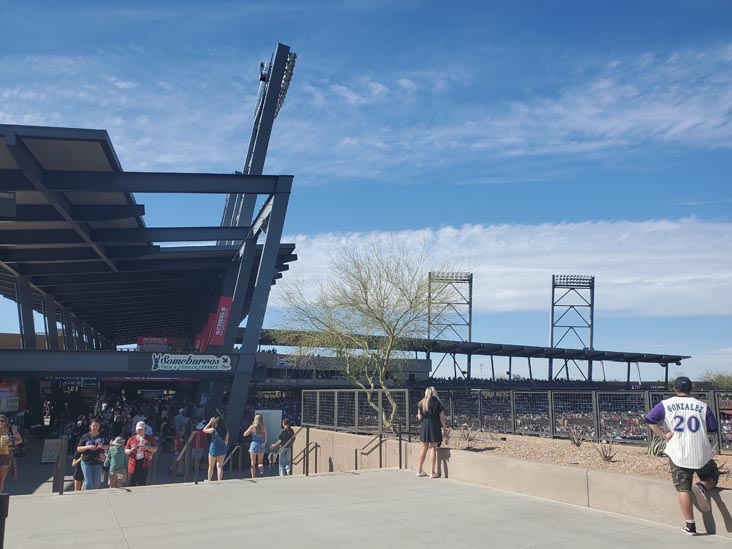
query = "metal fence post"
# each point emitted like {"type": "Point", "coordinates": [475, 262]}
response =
{"type": "Point", "coordinates": [596, 413]}
{"type": "Point", "coordinates": [335, 410]}
{"type": "Point", "coordinates": [480, 410]}
{"type": "Point", "coordinates": [452, 411]}
{"type": "Point", "coordinates": [552, 424]}
{"type": "Point", "coordinates": [513, 412]}
{"type": "Point", "coordinates": [317, 409]}
{"type": "Point", "coordinates": [355, 410]}
{"type": "Point", "coordinates": [647, 400]}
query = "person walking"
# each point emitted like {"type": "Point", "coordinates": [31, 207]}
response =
{"type": "Point", "coordinates": [688, 422]}
{"type": "Point", "coordinates": [116, 462]}
{"type": "Point", "coordinates": [285, 440]}
{"type": "Point", "coordinates": [431, 413]}
{"type": "Point", "coordinates": [217, 449]}
{"type": "Point", "coordinates": [9, 437]}
{"type": "Point", "coordinates": [258, 430]}
{"type": "Point", "coordinates": [92, 446]}
{"type": "Point", "coordinates": [140, 447]}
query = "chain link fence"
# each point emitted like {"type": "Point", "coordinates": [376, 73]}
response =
{"type": "Point", "coordinates": [594, 415]}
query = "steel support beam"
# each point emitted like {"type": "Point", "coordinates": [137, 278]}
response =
{"type": "Point", "coordinates": [149, 182]}
{"type": "Point", "coordinates": [102, 212]}
{"type": "Point", "coordinates": [35, 174]}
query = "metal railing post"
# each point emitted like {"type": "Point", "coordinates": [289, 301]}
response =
{"type": "Point", "coordinates": [355, 459]}
{"type": "Point", "coordinates": [596, 412]}
{"type": "Point", "coordinates": [381, 410]}
{"type": "Point", "coordinates": [307, 451]}
{"type": "Point", "coordinates": [197, 466]}
{"type": "Point", "coordinates": [400, 445]}
{"type": "Point", "coordinates": [381, 452]}
{"type": "Point", "coordinates": [4, 508]}
{"type": "Point", "coordinates": [513, 412]}
{"type": "Point", "coordinates": [317, 409]}
{"type": "Point", "coordinates": [186, 462]}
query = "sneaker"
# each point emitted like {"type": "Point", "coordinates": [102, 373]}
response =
{"type": "Point", "coordinates": [434, 475]}
{"type": "Point", "coordinates": [700, 492]}
{"type": "Point", "coordinates": [691, 530]}
{"type": "Point", "coordinates": [421, 474]}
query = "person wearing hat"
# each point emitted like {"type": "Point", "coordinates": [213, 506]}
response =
{"type": "Point", "coordinates": [140, 447]}
{"type": "Point", "coordinates": [116, 461]}
{"type": "Point", "coordinates": [688, 421]}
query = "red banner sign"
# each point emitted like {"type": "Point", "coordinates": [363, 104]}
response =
{"type": "Point", "coordinates": [221, 320]}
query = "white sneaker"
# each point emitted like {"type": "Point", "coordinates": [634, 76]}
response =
{"type": "Point", "coordinates": [421, 474]}
{"type": "Point", "coordinates": [434, 475]}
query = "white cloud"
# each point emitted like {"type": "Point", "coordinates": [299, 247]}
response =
{"type": "Point", "coordinates": [642, 269]}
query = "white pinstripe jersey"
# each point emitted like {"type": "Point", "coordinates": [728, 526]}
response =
{"type": "Point", "coordinates": [686, 418]}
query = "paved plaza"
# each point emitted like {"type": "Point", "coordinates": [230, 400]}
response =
{"type": "Point", "coordinates": [368, 509]}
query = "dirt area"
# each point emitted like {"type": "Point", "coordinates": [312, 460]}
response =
{"type": "Point", "coordinates": [628, 459]}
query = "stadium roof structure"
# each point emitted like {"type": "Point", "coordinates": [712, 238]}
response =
{"type": "Point", "coordinates": [281, 337]}
{"type": "Point", "coordinates": [292, 338]}
{"type": "Point", "coordinates": [74, 245]}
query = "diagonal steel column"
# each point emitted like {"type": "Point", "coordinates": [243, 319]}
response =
{"type": "Point", "coordinates": [255, 318]}
{"type": "Point", "coordinates": [49, 310]}
{"type": "Point", "coordinates": [68, 329]}
{"type": "Point", "coordinates": [25, 313]}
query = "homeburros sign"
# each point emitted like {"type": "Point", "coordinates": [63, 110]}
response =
{"type": "Point", "coordinates": [166, 361]}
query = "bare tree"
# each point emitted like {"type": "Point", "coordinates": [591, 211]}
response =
{"type": "Point", "coordinates": [371, 291]}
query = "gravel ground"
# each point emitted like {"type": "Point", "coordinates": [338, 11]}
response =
{"type": "Point", "coordinates": [628, 459]}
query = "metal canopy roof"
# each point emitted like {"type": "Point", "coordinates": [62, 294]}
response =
{"type": "Point", "coordinates": [279, 337]}
{"type": "Point", "coordinates": [79, 235]}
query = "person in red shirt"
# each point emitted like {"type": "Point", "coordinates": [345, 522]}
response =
{"type": "Point", "coordinates": [141, 448]}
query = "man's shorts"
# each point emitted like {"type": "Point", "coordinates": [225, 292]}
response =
{"type": "Point", "coordinates": [684, 478]}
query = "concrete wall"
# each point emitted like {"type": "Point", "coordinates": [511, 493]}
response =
{"type": "Point", "coordinates": [635, 496]}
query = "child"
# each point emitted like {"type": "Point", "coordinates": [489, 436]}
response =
{"type": "Point", "coordinates": [285, 441]}
{"type": "Point", "coordinates": [117, 462]}
{"type": "Point", "coordinates": [78, 473]}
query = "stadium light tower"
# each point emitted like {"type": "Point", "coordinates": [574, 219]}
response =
{"type": "Point", "coordinates": [450, 309]}
{"type": "Point", "coordinates": [571, 316]}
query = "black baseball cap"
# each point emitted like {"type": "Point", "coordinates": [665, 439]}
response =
{"type": "Point", "coordinates": [682, 384]}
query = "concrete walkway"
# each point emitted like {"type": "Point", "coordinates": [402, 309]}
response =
{"type": "Point", "coordinates": [368, 509]}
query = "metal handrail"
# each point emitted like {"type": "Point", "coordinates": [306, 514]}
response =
{"type": "Point", "coordinates": [236, 449]}
{"type": "Point", "coordinates": [362, 452]}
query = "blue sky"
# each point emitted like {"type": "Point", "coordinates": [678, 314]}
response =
{"type": "Point", "coordinates": [520, 139]}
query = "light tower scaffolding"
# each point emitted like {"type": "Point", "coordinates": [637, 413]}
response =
{"type": "Point", "coordinates": [571, 318]}
{"type": "Point", "coordinates": [450, 311]}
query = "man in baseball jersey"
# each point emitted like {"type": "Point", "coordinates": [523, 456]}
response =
{"type": "Point", "coordinates": [688, 421]}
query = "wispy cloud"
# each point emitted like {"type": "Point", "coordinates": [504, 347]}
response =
{"type": "Point", "coordinates": [651, 268]}
{"type": "Point", "coordinates": [368, 122]}
{"type": "Point", "coordinates": [682, 99]}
